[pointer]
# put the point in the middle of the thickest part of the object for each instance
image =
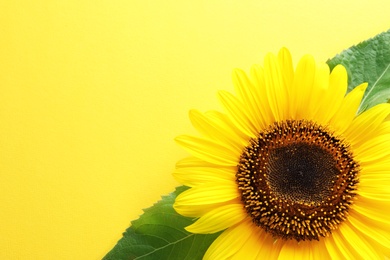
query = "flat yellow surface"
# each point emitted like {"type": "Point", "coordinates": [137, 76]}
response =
{"type": "Point", "coordinates": [92, 94]}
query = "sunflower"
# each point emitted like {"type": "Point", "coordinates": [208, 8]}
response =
{"type": "Point", "coordinates": [290, 170]}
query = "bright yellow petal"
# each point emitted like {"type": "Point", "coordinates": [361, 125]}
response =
{"type": "Point", "coordinates": [372, 229]}
{"type": "Point", "coordinates": [225, 134]}
{"type": "Point", "coordinates": [302, 87]}
{"type": "Point", "coordinates": [276, 93]}
{"type": "Point", "coordinates": [193, 162]}
{"type": "Point", "coordinates": [347, 111]}
{"type": "Point", "coordinates": [286, 68]}
{"type": "Point", "coordinates": [223, 121]}
{"type": "Point", "coordinates": [334, 250]}
{"type": "Point", "coordinates": [219, 219]}
{"type": "Point", "coordinates": [199, 200]}
{"type": "Point", "coordinates": [374, 149]}
{"type": "Point", "coordinates": [355, 241]}
{"type": "Point", "coordinates": [209, 151]}
{"type": "Point", "coordinates": [334, 95]}
{"type": "Point", "coordinates": [237, 113]}
{"type": "Point", "coordinates": [231, 241]}
{"type": "Point", "coordinates": [246, 90]}
{"type": "Point", "coordinates": [340, 248]}
{"type": "Point", "coordinates": [319, 251]}
{"type": "Point", "coordinates": [373, 209]}
{"type": "Point", "coordinates": [364, 126]}
{"type": "Point", "coordinates": [295, 251]}
{"type": "Point", "coordinates": [310, 250]}
{"type": "Point", "coordinates": [195, 176]}
{"type": "Point", "coordinates": [252, 247]}
{"type": "Point", "coordinates": [261, 96]}
{"type": "Point", "coordinates": [319, 90]}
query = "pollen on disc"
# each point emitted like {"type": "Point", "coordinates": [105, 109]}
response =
{"type": "Point", "coordinates": [297, 180]}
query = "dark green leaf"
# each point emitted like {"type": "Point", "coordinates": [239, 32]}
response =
{"type": "Point", "coordinates": [368, 61]}
{"type": "Point", "coordinates": [159, 234]}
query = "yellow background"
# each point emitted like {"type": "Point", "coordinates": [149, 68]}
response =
{"type": "Point", "coordinates": [92, 94]}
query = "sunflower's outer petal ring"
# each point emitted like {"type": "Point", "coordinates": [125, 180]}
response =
{"type": "Point", "coordinates": [195, 176]}
{"type": "Point", "coordinates": [371, 229]}
{"type": "Point", "coordinates": [218, 219]}
{"type": "Point", "coordinates": [192, 161]}
{"type": "Point", "coordinates": [375, 210]}
{"type": "Point", "coordinates": [374, 149]}
{"type": "Point", "coordinates": [276, 93]}
{"type": "Point", "coordinates": [302, 86]}
{"type": "Point", "coordinates": [319, 251]}
{"type": "Point", "coordinates": [216, 131]}
{"type": "Point", "coordinates": [207, 150]}
{"type": "Point", "coordinates": [237, 113]}
{"type": "Point", "coordinates": [373, 193]}
{"type": "Point", "coordinates": [319, 90]}
{"type": "Point", "coordinates": [210, 195]}
{"type": "Point", "coordinates": [261, 96]}
{"type": "Point", "coordinates": [378, 167]}
{"type": "Point", "coordinates": [304, 250]}
{"type": "Point", "coordinates": [356, 243]}
{"type": "Point", "coordinates": [246, 90]}
{"type": "Point", "coordinates": [224, 122]}
{"type": "Point", "coordinates": [333, 249]}
{"type": "Point", "coordinates": [230, 241]}
{"type": "Point", "coordinates": [244, 241]}
{"type": "Point", "coordinates": [286, 68]}
{"type": "Point", "coordinates": [260, 246]}
{"type": "Point", "coordinates": [334, 95]}
{"type": "Point", "coordinates": [339, 247]}
{"type": "Point", "coordinates": [295, 251]}
{"type": "Point", "coordinates": [366, 124]}
{"type": "Point", "coordinates": [347, 111]}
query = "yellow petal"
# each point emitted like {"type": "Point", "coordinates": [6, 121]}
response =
{"type": "Point", "coordinates": [211, 193]}
{"type": "Point", "coordinates": [276, 93]}
{"type": "Point", "coordinates": [193, 162]}
{"type": "Point", "coordinates": [219, 219]}
{"type": "Point", "coordinates": [365, 125]}
{"type": "Point", "coordinates": [215, 131]}
{"type": "Point", "coordinates": [301, 91]}
{"type": "Point", "coordinates": [261, 96]}
{"type": "Point", "coordinates": [194, 176]}
{"type": "Point", "coordinates": [209, 151]}
{"type": "Point", "coordinates": [347, 111]}
{"type": "Point", "coordinates": [339, 247]}
{"type": "Point", "coordinates": [372, 229]}
{"type": "Point", "coordinates": [334, 250]}
{"type": "Point", "coordinates": [374, 149]}
{"type": "Point", "coordinates": [319, 90]}
{"type": "Point", "coordinates": [295, 251]}
{"type": "Point", "coordinates": [246, 90]}
{"type": "Point", "coordinates": [231, 241]}
{"type": "Point", "coordinates": [355, 241]}
{"type": "Point", "coordinates": [237, 113]}
{"type": "Point", "coordinates": [373, 209]}
{"type": "Point", "coordinates": [251, 249]}
{"type": "Point", "coordinates": [286, 67]}
{"type": "Point", "coordinates": [334, 95]}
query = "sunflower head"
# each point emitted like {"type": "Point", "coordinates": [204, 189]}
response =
{"type": "Point", "coordinates": [289, 166]}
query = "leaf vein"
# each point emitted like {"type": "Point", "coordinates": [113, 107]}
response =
{"type": "Point", "coordinates": [373, 86]}
{"type": "Point", "coordinates": [160, 248]}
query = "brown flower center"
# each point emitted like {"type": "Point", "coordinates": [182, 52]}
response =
{"type": "Point", "coordinates": [297, 180]}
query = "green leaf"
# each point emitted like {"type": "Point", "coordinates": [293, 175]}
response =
{"type": "Point", "coordinates": [369, 61]}
{"type": "Point", "coordinates": [159, 234]}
